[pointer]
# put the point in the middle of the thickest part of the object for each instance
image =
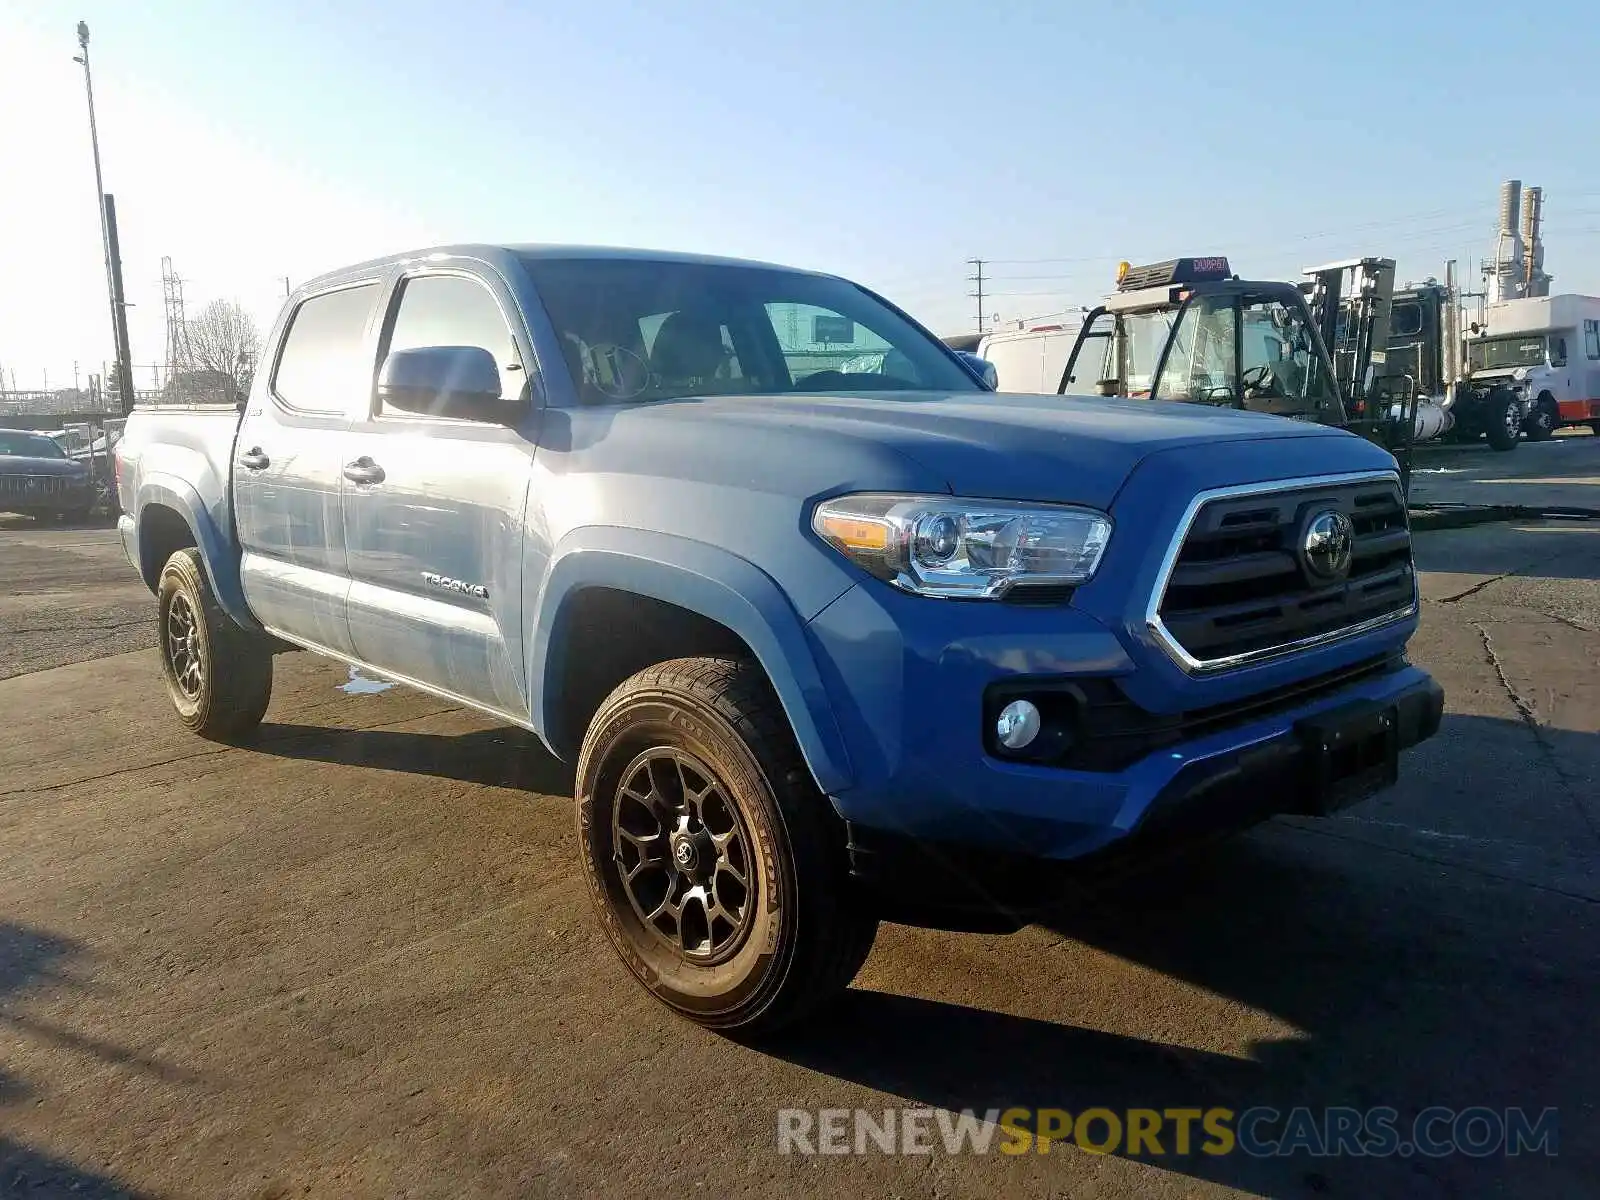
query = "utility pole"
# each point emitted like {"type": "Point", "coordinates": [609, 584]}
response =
{"type": "Point", "coordinates": [119, 312]}
{"type": "Point", "coordinates": [977, 278]}
{"type": "Point", "coordinates": [108, 239]}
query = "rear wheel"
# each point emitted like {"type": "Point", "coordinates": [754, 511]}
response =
{"type": "Point", "coordinates": [1594, 428]}
{"type": "Point", "coordinates": [1544, 420]}
{"type": "Point", "coordinates": [1502, 419]}
{"type": "Point", "coordinates": [717, 866]}
{"type": "Point", "coordinates": [218, 675]}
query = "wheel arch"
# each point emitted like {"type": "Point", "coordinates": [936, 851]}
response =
{"type": "Point", "coordinates": [616, 600]}
{"type": "Point", "coordinates": [172, 517]}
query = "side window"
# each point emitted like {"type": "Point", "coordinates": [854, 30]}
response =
{"type": "Point", "coordinates": [1405, 320]}
{"type": "Point", "coordinates": [320, 368]}
{"type": "Point", "coordinates": [1558, 352]}
{"type": "Point", "coordinates": [691, 348]}
{"type": "Point", "coordinates": [452, 310]}
{"type": "Point", "coordinates": [1591, 339]}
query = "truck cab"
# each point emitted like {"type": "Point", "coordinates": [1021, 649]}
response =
{"type": "Point", "coordinates": [1546, 350]}
{"type": "Point", "coordinates": [1190, 330]}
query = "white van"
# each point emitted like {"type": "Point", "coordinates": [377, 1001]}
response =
{"type": "Point", "coordinates": [1032, 359]}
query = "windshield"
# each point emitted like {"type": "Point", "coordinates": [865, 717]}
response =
{"type": "Point", "coordinates": [635, 330]}
{"type": "Point", "coordinates": [1234, 351]}
{"type": "Point", "coordinates": [28, 445]}
{"type": "Point", "coordinates": [1523, 350]}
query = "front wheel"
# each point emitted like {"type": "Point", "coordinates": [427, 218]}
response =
{"type": "Point", "coordinates": [717, 866]}
{"type": "Point", "coordinates": [1544, 420]}
{"type": "Point", "coordinates": [1502, 419]}
{"type": "Point", "coordinates": [218, 675]}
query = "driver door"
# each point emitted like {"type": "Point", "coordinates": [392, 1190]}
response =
{"type": "Point", "coordinates": [434, 506]}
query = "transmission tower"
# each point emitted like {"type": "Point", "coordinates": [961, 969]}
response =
{"type": "Point", "coordinates": [179, 358]}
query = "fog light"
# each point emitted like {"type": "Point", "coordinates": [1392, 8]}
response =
{"type": "Point", "coordinates": [1018, 724]}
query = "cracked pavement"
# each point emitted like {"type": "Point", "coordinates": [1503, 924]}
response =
{"type": "Point", "coordinates": [356, 957]}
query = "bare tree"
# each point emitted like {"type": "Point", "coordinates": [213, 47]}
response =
{"type": "Point", "coordinates": [224, 341]}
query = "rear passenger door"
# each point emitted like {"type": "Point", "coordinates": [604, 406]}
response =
{"type": "Point", "coordinates": [433, 506]}
{"type": "Point", "coordinates": [287, 464]}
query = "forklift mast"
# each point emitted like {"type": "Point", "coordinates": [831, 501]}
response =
{"type": "Point", "coordinates": [1352, 302]}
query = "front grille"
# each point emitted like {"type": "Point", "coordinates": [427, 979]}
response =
{"type": "Point", "coordinates": [1241, 587]}
{"type": "Point", "coordinates": [32, 487]}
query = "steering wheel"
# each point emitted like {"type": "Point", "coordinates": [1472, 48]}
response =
{"type": "Point", "coordinates": [822, 381]}
{"type": "Point", "coordinates": [1256, 378]}
{"type": "Point", "coordinates": [627, 372]}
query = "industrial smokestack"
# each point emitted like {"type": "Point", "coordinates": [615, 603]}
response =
{"type": "Point", "coordinates": [1506, 271]}
{"type": "Point", "coordinates": [1538, 283]}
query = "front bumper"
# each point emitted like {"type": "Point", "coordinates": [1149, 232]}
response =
{"type": "Point", "coordinates": [1206, 796]}
{"type": "Point", "coordinates": [907, 679]}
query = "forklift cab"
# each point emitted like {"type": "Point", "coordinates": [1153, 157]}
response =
{"type": "Point", "coordinates": [1188, 330]}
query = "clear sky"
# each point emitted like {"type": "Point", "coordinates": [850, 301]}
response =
{"type": "Point", "coordinates": [888, 141]}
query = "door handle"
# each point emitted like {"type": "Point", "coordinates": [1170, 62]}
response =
{"type": "Point", "coordinates": [363, 470]}
{"type": "Point", "coordinates": [254, 460]}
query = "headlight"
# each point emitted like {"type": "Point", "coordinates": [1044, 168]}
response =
{"type": "Point", "coordinates": [942, 546]}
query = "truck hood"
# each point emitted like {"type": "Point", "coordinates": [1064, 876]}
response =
{"type": "Point", "coordinates": [1069, 449]}
{"type": "Point", "coordinates": [17, 464]}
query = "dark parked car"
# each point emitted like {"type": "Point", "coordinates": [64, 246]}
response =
{"type": "Point", "coordinates": [38, 479]}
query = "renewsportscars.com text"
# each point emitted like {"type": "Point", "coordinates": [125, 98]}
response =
{"type": "Point", "coordinates": [1261, 1132]}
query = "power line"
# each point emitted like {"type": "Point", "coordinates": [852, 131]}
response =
{"type": "Point", "coordinates": [977, 278]}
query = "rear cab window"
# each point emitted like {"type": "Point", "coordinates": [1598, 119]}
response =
{"type": "Point", "coordinates": [321, 366]}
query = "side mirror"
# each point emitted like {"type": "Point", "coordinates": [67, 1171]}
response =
{"type": "Point", "coordinates": [445, 381]}
{"type": "Point", "coordinates": [982, 368]}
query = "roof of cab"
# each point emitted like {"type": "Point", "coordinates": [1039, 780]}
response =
{"type": "Point", "coordinates": [494, 252]}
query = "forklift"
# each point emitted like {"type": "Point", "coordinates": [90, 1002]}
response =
{"type": "Point", "coordinates": [1190, 330]}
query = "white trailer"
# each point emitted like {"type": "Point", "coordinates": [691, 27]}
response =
{"type": "Point", "coordinates": [1547, 348]}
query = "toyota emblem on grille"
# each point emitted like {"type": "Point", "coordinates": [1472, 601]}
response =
{"type": "Point", "coordinates": [1328, 544]}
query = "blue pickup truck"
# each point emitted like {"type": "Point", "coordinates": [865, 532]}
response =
{"type": "Point", "coordinates": [831, 630]}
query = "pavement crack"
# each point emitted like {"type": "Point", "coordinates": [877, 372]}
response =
{"type": "Point", "coordinates": [1493, 579]}
{"type": "Point", "coordinates": [67, 783]}
{"type": "Point", "coordinates": [1519, 702]}
{"type": "Point", "coordinates": [1478, 587]}
{"type": "Point", "coordinates": [1452, 864]}
{"type": "Point", "coordinates": [1567, 621]}
{"type": "Point", "coordinates": [1530, 718]}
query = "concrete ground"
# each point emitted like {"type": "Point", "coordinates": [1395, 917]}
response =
{"type": "Point", "coordinates": [356, 958]}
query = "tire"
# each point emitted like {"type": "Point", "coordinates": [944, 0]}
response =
{"type": "Point", "coordinates": [218, 675]}
{"type": "Point", "coordinates": [747, 960]}
{"type": "Point", "coordinates": [1502, 419]}
{"type": "Point", "coordinates": [1544, 420]}
{"type": "Point", "coordinates": [1594, 428]}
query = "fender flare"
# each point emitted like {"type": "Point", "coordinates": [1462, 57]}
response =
{"type": "Point", "coordinates": [217, 554]}
{"type": "Point", "coordinates": [709, 581]}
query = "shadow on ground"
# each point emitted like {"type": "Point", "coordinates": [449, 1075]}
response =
{"type": "Point", "coordinates": [503, 757]}
{"type": "Point", "coordinates": [31, 960]}
{"type": "Point", "coordinates": [1411, 982]}
{"type": "Point", "coordinates": [1559, 550]}
{"type": "Point", "coordinates": [1411, 979]}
